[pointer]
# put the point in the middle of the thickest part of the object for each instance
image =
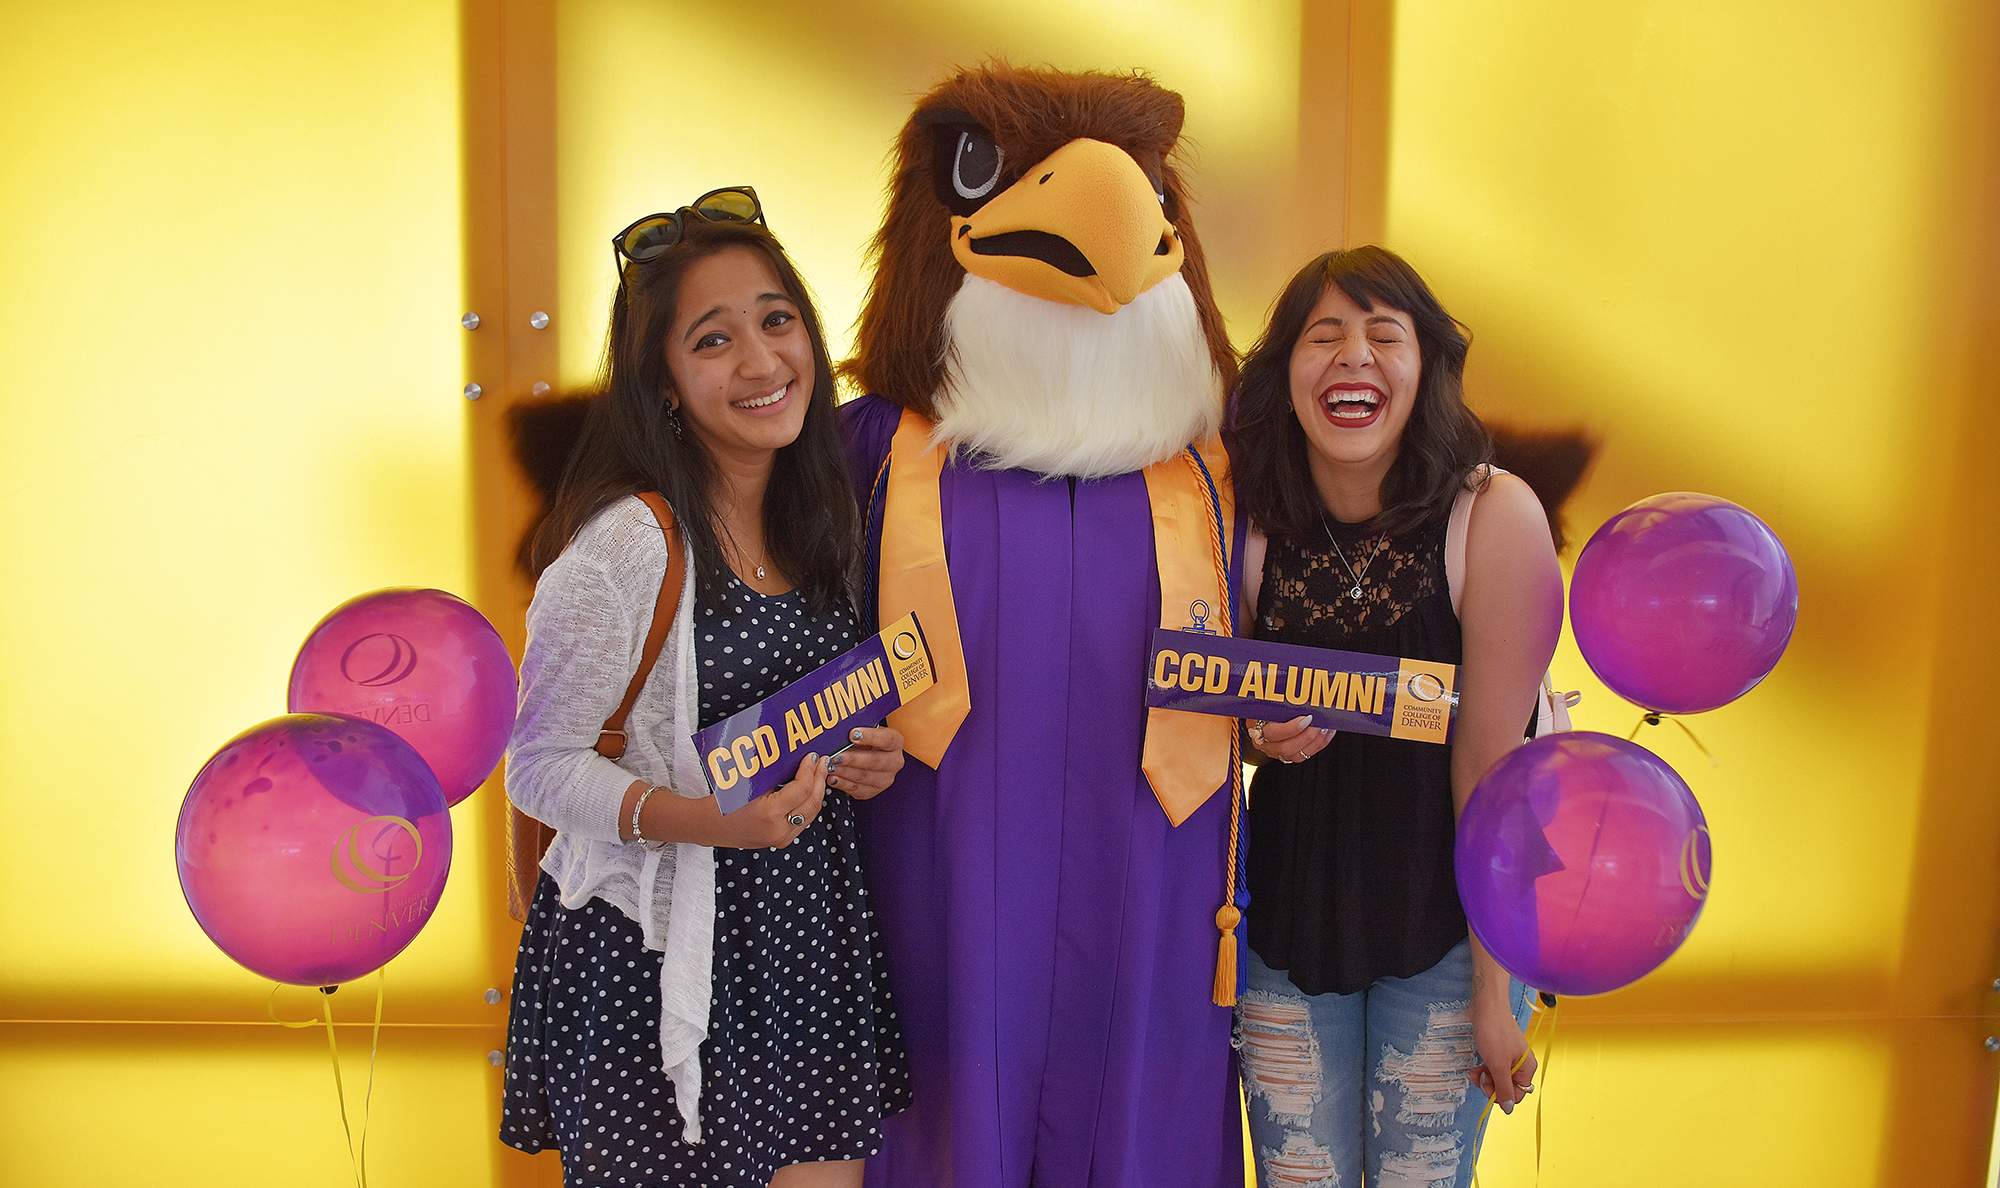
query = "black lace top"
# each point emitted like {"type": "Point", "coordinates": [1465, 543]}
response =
{"type": "Point", "coordinates": [1350, 854]}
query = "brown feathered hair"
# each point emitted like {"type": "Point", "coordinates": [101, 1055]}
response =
{"type": "Point", "coordinates": [900, 345]}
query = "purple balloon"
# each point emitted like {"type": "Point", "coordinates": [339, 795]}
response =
{"type": "Point", "coordinates": [1683, 602]}
{"type": "Point", "coordinates": [425, 664]}
{"type": "Point", "coordinates": [313, 847]}
{"type": "Point", "coordinates": [1583, 862]}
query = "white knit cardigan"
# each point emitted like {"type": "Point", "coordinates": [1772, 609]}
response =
{"type": "Point", "coordinates": [586, 629]}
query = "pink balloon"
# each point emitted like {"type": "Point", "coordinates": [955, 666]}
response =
{"type": "Point", "coordinates": [1683, 602]}
{"type": "Point", "coordinates": [423, 663]}
{"type": "Point", "coordinates": [1582, 861]}
{"type": "Point", "coordinates": [312, 848]}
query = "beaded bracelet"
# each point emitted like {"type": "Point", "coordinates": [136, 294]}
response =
{"type": "Point", "coordinates": [637, 807]}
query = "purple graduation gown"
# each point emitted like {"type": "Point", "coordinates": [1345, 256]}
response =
{"type": "Point", "coordinates": [1051, 939]}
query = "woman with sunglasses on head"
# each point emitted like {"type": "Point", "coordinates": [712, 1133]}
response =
{"type": "Point", "coordinates": [699, 997]}
{"type": "Point", "coordinates": [1373, 1029]}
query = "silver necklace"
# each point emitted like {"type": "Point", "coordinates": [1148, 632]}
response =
{"type": "Point", "coordinates": [1353, 575]}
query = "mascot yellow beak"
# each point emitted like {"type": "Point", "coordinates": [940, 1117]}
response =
{"type": "Point", "coordinates": [1083, 227]}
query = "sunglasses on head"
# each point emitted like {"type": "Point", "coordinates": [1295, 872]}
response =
{"type": "Point", "coordinates": [647, 238]}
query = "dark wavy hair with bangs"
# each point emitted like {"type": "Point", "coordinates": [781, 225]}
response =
{"type": "Point", "coordinates": [1442, 441]}
{"type": "Point", "coordinates": [628, 444]}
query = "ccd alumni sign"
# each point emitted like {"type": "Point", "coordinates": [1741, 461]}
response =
{"type": "Point", "coordinates": [1248, 678]}
{"type": "Point", "coordinates": [753, 751]}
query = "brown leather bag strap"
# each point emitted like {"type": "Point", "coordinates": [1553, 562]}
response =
{"type": "Point", "coordinates": [528, 839]}
{"type": "Point", "coordinates": [611, 741]}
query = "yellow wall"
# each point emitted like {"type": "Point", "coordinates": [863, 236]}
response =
{"type": "Point", "coordinates": [229, 275]}
{"type": "Point", "coordinates": [1743, 242]}
{"type": "Point", "coordinates": [1735, 240]}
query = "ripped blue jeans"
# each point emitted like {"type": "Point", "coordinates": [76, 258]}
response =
{"type": "Point", "coordinates": [1376, 1080]}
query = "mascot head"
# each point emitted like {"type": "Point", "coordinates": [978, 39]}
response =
{"type": "Point", "coordinates": [1039, 291]}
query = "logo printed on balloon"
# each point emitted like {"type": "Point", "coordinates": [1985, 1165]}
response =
{"type": "Point", "coordinates": [1425, 687]}
{"type": "Point", "coordinates": [423, 663]}
{"type": "Point", "coordinates": [401, 661]}
{"type": "Point", "coordinates": [351, 866]}
{"type": "Point", "coordinates": [329, 795]}
{"type": "Point", "coordinates": [392, 918]}
{"type": "Point", "coordinates": [1693, 878]}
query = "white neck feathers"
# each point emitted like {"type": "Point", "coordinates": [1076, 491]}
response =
{"type": "Point", "coordinates": [1065, 390]}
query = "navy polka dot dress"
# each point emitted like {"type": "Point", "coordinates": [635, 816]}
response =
{"type": "Point", "coordinates": [803, 1056]}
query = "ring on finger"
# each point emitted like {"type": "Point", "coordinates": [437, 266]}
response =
{"type": "Point", "coordinates": [1256, 730]}
{"type": "Point", "coordinates": [798, 821]}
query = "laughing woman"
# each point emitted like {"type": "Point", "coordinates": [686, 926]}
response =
{"type": "Point", "coordinates": [1373, 1028]}
{"type": "Point", "coordinates": [699, 997]}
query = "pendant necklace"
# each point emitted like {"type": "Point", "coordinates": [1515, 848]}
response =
{"type": "Point", "coordinates": [1355, 591]}
{"type": "Point", "coordinates": [738, 549]}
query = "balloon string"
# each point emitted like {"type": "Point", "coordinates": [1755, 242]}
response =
{"type": "Point", "coordinates": [360, 1158]}
{"type": "Point", "coordinates": [271, 1006]}
{"type": "Point", "coordinates": [339, 1091]}
{"type": "Point", "coordinates": [1548, 1063]}
{"type": "Point", "coordinates": [1652, 718]}
{"type": "Point", "coordinates": [1545, 1013]}
{"type": "Point", "coordinates": [374, 1047]}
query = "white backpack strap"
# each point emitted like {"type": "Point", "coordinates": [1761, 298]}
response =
{"type": "Point", "coordinates": [1454, 531]}
{"type": "Point", "coordinates": [1254, 546]}
{"type": "Point", "coordinates": [1552, 707]}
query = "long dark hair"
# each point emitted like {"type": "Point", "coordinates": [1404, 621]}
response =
{"type": "Point", "coordinates": [1442, 441]}
{"type": "Point", "coordinates": [628, 443]}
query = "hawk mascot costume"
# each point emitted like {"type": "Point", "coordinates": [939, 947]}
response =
{"type": "Point", "coordinates": [1054, 878]}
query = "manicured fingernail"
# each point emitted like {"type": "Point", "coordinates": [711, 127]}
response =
{"type": "Point", "coordinates": [811, 758]}
{"type": "Point", "coordinates": [854, 735]}
{"type": "Point", "coordinates": [832, 762]}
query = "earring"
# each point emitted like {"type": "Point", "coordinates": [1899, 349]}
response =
{"type": "Point", "coordinates": [674, 419]}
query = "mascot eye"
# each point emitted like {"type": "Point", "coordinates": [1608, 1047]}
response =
{"type": "Point", "coordinates": [967, 161]}
{"type": "Point", "coordinates": [1158, 177]}
{"type": "Point", "coordinates": [975, 166]}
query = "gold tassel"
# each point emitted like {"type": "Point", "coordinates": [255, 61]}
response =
{"type": "Point", "coordinates": [1227, 917]}
{"type": "Point", "coordinates": [1225, 957]}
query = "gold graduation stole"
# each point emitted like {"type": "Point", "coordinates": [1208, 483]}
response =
{"type": "Point", "coordinates": [1187, 756]}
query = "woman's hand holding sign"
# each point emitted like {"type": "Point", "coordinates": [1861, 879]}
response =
{"type": "Point", "coordinates": [1288, 742]}
{"type": "Point", "coordinates": [773, 820]}
{"type": "Point", "coordinates": [777, 818]}
{"type": "Point", "coordinates": [870, 764]}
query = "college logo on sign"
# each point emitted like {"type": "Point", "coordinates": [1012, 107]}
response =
{"type": "Point", "coordinates": [378, 659]}
{"type": "Point", "coordinates": [1425, 687]}
{"type": "Point", "coordinates": [377, 855]}
{"type": "Point", "coordinates": [904, 646]}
